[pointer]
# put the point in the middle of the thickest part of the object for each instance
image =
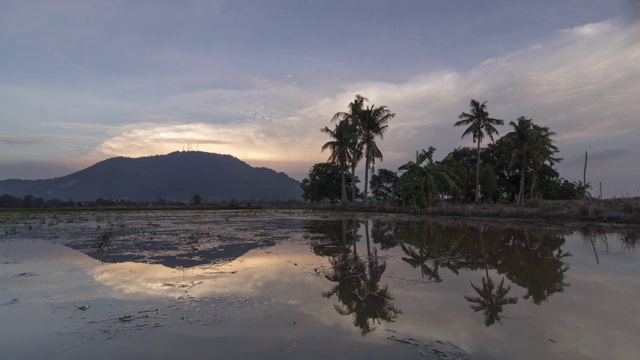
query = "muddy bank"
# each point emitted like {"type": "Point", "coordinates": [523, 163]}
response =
{"type": "Point", "coordinates": [612, 211]}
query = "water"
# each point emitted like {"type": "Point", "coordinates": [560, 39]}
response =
{"type": "Point", "coordinates": [296, 284]}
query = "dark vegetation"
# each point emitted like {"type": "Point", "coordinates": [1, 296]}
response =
{"type": "Point", "coordinates": [324, 184]}
{"type": "Point", "coordinates": [28, 202]}
{"type": "Point", "coordinates": [500, 177]}
{"type": "Point", "coordinates": [518, 166]}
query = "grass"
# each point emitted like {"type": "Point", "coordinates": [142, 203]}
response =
{"type": "Point", "coordinates": [104, 240]}
{"type": "Point", "coordinates": [619, 210]}
{"type": "Point", "coordinates": [624, 211]}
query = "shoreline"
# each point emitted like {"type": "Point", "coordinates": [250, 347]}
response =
{"type": "Point", "coordinates": [610, 212]}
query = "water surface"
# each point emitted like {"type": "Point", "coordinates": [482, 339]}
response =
{"type": "Point", "coordinates": [295, 284]}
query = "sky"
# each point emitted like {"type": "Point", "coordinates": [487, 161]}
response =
{"type": "Point", "coordinates": [82, 81]}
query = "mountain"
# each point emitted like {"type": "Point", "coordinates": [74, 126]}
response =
{"type": "Point", "coordinates": [175, 177]}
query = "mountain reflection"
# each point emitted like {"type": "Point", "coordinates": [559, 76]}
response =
{"type": "Point", "coordinates": [173, 249]}
{"type": "Point", "coordinates": [357, 281]}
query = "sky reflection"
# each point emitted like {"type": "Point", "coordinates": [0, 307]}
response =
{"type": "Point", "coordinates": [322, 282]}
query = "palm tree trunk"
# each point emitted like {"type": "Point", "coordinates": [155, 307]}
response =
{"type": "Point", "coordinates": [366, 178]}
{"type": "Point", "coordinates": [584, 176]}
{"type": "Point", "coordinates": [344, 232]}
{"type": "Point", "coordinates": [344, 187]}
{"type": "Point", "coordinates": [366, 234]}
{"type": "Point", "coordinates": [353, 184]}
{"type": "Point", "coordinates": [369, 258]}
{"type": "Point", "coordinates": [484, 253]}
{"type": "Point", "coordinates": [477, 200]}
{"type": "Point", "coordinates": [533, 183]}
{"type": "Point", "coordinates": [521, 190]}
{"type": "Point", "coordinates": [355, 236]}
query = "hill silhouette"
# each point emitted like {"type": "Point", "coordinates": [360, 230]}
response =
{"type": "Point", "coordinates": [177, 176]}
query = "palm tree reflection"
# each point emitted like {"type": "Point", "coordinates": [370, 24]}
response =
{"type": "Point", "coordinates": [490, 299]}
{"type": "Point", "coordinates": [490, 302]}
{"type": "Point", "coordinates": [429, 249]}
{"type": "Point", "coordinates": [531, 259]}
{"type": "Point", "coordinates": [358, 287]}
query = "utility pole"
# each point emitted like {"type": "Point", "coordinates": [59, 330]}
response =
{"type": "Point", "coordinates": [584, 176]}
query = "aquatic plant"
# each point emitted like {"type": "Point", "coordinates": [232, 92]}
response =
{"type": "Point", "coordinates": [104, 240]}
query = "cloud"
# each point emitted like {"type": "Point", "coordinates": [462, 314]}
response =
{"type": "Point", "coordinates": [22, 139]}
{"type": "Point", "coordinates": [261, 140]}
{"type": "Point", "coordinates": [14, 140]}
{"type": "Point", "coordinates": [580, 83]}
{"type": "Point", "coordinates": [30, 107]}
{"type": "Point", "coordinates": [43, 169]}
{"type": "Point", "coordinates": [186, 140]}
{"type": "Point", "coordinates": [264, 99]}
{"type": "Point", "coordinates": [609, 154]}
{"type": "Point", "coordinates": [84, 126]}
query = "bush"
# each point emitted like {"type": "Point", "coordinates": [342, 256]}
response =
{"type": "Point", "coordinates": [631, 206]}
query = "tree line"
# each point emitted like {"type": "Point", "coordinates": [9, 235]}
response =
{"type": "Point", "coordinates": [515, 168]}
{"type": "Point", "coordinates": [31, 202]}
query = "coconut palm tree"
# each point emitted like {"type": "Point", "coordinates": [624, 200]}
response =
{"type": "Point", "coordinates": [343, 136]}
{"type": "Point", "coordinates": [533, 147]}
{"type": "Point", "coordinates": [523, 137]}
{"type": "Point", "coordinates": [355, 147]}
{"type": "Point", "coordinates": [581, 189]}
{"type": "Point", "coordinates": [479, 125]}
{"type": "Point", "coordinates": [425, 179]}
{"type": "Point", "coordinates": [373, 123]}
{"type": "Point", "coordinates": [543, 151]}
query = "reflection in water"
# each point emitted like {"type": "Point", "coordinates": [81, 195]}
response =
{"type": "Point", "coordinates": [384, 232]}
{"type": "Point", "coordinates": [596, 237]}
{"type": "Point", "coordinates": [490, 302]}
{"type": "Point", "coordinates": [533, 260]}
{"type": "Point", "coordinates": [429, 248]}
{"type": "Point", "coordinates": [183, 246]}
{"type": "Point", "coordinates": [357, 285]}
{"type": "Point", "coordinates": [253, 272]}
{"type": "Point", "coordinates": [538, 264]}
{"type": "Point", "coordinates": [630, 240]}
{"type": "Point", "coordinates": [529, 258]}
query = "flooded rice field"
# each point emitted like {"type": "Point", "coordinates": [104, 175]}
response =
{"type": "Point", "coordinates": [269, 284]}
